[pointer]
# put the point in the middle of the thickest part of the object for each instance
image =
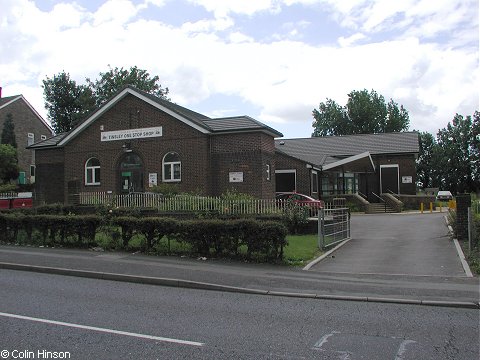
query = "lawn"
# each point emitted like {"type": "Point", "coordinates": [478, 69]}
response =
{"type": "Point", "coordinates": [301, 249]}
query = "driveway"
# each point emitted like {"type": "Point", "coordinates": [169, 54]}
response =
{"type": "Point", "coordinates": [396, 244]}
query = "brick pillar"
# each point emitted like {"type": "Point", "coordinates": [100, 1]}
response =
{"type": "Point", "coordinates": [464, 201]}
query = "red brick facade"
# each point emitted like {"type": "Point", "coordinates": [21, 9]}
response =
{"type": "Point", "coordinates": [26, 121]}
{"type": "Point", "coordinates": [207, 160]}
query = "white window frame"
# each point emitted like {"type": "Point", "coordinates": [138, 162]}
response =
{"type": "Point", "coordinates": [43, 137]}
{"type": "Point", "coordinates": [171, 164]}
{"type": "Point", "coordinates": [398, 176]}
{"type": "Point", "coordinates": [268, 171]}
{"type": "Point", "coordinates": [314, 174]}
{"type": "Point", "coordinates": [30, 139]}
{"type": "Point", "coordinates": [93, 169]}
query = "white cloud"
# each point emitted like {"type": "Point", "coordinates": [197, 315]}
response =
{"type": "Point", "coordinates": [284, 79]}
{"type": "Point", "coordinates": [222, 8]}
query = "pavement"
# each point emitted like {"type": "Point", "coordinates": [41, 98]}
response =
{"type": "Point", "coordinates": [425, 284]}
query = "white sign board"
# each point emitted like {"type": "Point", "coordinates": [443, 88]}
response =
{"type": "Point", "coordinates": [236, 177]}
{"type": "Point", "coordinates": [152, 179]}
{"type": "Point", "coordinates": [407, 179]}
{"type": "Point", "coordinates": [130, 134]}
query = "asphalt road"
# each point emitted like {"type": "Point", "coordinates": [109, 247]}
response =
{"type": "Point", "coordinates": [397, 244]}
{"type": "Point", "coordinates": [84, 317]}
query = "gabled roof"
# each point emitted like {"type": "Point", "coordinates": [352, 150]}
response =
{"type": "Point", "coordinates": [6, 101]}
{"type": "Point", "coordinates": [321, 151]}
{"type": "Point", "coordinates": [196, 120]}
{"type": "Point", "coordinates": [48, 143]}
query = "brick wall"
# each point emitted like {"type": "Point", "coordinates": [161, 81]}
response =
{"type": "Point", "coordinates": [464, 201]}
{"type": "Point", "coordinates": [25, 121]}
{"type": "Point", "coordinates": [406, 167]}
{"type": "Point", "coordinates": [246, 153]}
{"type": "Point", "coordinates": [131, 112]}
{"type": "Point", "coordinates": [50, 176]}
{"type": "Point", "coordinates": [303, 177]}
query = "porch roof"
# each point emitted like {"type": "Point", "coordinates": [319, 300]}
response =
{"type": "Point", "coordinates": [360, 163]}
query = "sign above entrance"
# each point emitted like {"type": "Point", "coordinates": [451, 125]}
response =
{"type": "Point", "coordinates": [130, 134]}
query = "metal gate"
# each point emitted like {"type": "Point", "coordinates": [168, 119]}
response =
{"type": "Point", "coordinates": [333, 226]}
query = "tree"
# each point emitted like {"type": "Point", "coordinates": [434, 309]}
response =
{"type": "Point", "coordinates": [459, 161]}
{"type": "Point", "coordinates": [425, 161]}
{"type": "Point", "coordinates": [66, 102]}
{"type": "Point", "coordinates": [8, 132]}
{"type": "Point", "coordinates": [365, 113]}
{"type": "Point", "coordinates": [8, 163]}
{"type": "Point", "coordinates": [114, 79]}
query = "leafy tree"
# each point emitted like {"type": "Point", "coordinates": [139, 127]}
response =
{"type": "Point", "coordinates": [66, 102]}
{"type": "Point", "coordinates": [8, 132]}
{"type": "Point", "coordinates": [114, 79]}
{"type": "Point", "coordinates": [8, 163]}
{"type": "Point", "coordinates": [365, 113]}
{"type": "Point", "coordinates": [459, 160]}
{"type": "Point", "coordinates": [425, 170]}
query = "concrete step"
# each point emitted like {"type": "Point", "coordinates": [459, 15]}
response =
{"type": "Point", "coordinates": [378, 208]}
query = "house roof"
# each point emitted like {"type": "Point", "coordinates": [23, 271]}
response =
{"type": "Point", "coordinates": [322, 151]}
{"type": "Point", "coordinates": [194, 119]}
{"type": "Point", "coordinates": [6, 101]}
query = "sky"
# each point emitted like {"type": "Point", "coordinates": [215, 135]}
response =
{"type": "Point", "coordinates": [273, 60]}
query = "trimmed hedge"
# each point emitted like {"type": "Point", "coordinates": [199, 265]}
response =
{"type": "Point", "coordinates": [204, 236]}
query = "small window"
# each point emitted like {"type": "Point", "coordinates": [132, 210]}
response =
{"type": "Point", "coordinates": [314, 182]}
{"type": "Point", "coordinates": [92, 172]}
{"type": "Point", "coordinates": [43, 137]}
{"type": "Point", "coordinates": [172, 167]}
{"type": "Point", "coordinates": [268, 172]}
{"type": "Point", "coordinates": [30, 139]}
{"type": "Point", "coordinates": [32, 170]}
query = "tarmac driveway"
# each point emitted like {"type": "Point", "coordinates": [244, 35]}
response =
{"type": "Point", "coordinates": [396, 244]}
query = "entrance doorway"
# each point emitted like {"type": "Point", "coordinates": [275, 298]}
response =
{"type": "Point", "coordinates": [389, 181]}
{"type": "Point", "coordinates": [285, 180]}
{"type": "Point", "coordinates": [131, 173]}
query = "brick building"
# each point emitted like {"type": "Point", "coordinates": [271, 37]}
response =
{"type": "Point", "coordinates": [137, 140]}
{"type": "Point", "coordinates": [369, 164]}
{"type": "Point", "coordinates": [30, 127]}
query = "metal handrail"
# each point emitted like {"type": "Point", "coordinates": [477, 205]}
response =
{"type": "Point", "coordinates": [384, 202]}
{"type": "Point", "coordinates": [362, 195]}
{"type": "Point", "coordinates": [379, 197]}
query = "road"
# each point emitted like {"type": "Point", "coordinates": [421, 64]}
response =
{"type": "Point", "coordinates": [113, 320]}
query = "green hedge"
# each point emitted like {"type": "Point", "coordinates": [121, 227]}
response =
{"type": "Point", "coordinates": [204, 236]}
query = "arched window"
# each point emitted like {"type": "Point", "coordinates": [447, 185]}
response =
{"type": "Point", "coordinates": [92, 172]}
{"type": "Point", "coordinates": [172, 167]}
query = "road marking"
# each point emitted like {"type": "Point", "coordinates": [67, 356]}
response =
{"type": "Point", "coordinates": [403, 348]}
{"type": "Point", "coordinates": [318, 345]}
{"type": "Point", "coordinates": [105, 330]}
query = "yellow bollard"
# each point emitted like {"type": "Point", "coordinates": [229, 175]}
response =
{"type": "Point", "coordinates": [421, 207]}
{"type": "Point", "coordinates": [431, 207]}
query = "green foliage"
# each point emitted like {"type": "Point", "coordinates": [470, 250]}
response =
{"type": "Point", "coordinates": [115, 79]}
{"type": "Point", "coordinates": [8, 132]}
{"type": "Point", "coordinates": [365, 113]}
{"type": "Point", "coordinates": [66, 102]}
{"type": "Point", "coordinates": [5, 188]}
{"type": "Point", "coordinates": [295, 216]}
{"type": "Point", "coordinates": [166, 189]}
{"type": "Point", "coordinates": [426, 160]}
{"type": "Point", "coordinates": [232, 195]}
{"type": "Point", "coordinates": [8, 163]}
{"type": "Point", "coordinates": [204, 237]}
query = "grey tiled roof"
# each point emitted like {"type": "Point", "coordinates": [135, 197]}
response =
{"type": "Point", "coordinates": [50, 142]}
{"type": "Point", "coordinates": [328, 149]}
{"type": "Point", "coordinates": [7, 99]}
{"type": "Point", "coordinates": [237, 123]}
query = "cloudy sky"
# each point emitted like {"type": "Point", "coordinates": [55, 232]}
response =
{"type": "Point", "coordinates": [274, 60]}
